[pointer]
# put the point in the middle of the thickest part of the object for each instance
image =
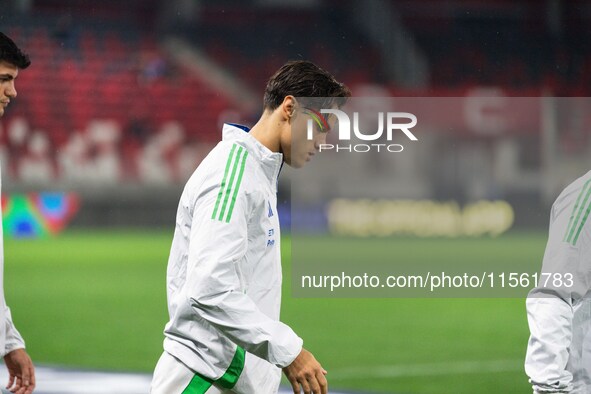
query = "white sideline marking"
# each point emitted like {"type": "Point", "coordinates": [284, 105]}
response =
{"type": "Point", "coordinates": [434, 369]}
{"type": "Point", "coordinates": [53, 380]}
{"type": "Point", "coordinates": [56, 380]}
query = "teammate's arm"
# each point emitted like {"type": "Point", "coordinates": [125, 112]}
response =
{"type": "Point", "coordinates": [550, 323]}
{"type": "Point", "coordinates": [550, 308]}
{"type": "Point", "coordinates": [21, 372]}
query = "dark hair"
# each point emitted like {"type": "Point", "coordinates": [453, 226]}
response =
{"type": "Point", "coordinates": [12, 54]}
{"type": "Point", "coordinates": [303, 79]}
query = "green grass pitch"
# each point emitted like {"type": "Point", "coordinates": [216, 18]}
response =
{"type": "Point", "coordinates": [96, 299]}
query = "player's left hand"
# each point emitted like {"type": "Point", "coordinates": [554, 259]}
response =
{"type": "Point", "coordinates": [21, 379]}
{"type": "Point", "coordinates": [306, 373]}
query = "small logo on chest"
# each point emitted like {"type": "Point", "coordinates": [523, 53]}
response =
{"type": "Point", "coordinates": [270, 209]}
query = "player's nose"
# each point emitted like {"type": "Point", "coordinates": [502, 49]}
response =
{"type": "Point", "coordinates": [321, 139]}
{"type": "Point", "coordinates": [11, 90]}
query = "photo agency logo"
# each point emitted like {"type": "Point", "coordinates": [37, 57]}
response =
{"type": "Point", "coordinates": [389, 125]}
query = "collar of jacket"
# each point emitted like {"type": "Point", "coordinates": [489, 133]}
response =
{"type": "Point", "coordinates": [269, 161]}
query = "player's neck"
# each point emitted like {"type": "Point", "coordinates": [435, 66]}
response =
{"type": "Point", "coordinates": [268, 131]}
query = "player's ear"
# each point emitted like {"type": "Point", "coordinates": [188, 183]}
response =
{"type": "Point", "coordinates": [288, 107]}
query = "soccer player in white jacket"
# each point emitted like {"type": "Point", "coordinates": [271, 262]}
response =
{"type": "Point", "coordinates": [224, 269]}
{"type": "Point", "coordinates": [21, 371]}
{"type": "Point", "coordinates": [558, 356]}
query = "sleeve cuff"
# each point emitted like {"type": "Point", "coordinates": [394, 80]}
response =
{"type": "Point", "coordinates": [291, 352]}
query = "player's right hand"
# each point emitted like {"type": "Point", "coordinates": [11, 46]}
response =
{"type": "Point", "coordinates": [305, 373]}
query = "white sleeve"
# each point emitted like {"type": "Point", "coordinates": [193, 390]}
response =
{"type": "Point", "coordinates": [214, 284]}
{"type": "Point", "coordinates": [550, 324]}
{"type": "Point", "coordinates": [550, 309]}
{"type": "Point", "coordinates": [14, 340]}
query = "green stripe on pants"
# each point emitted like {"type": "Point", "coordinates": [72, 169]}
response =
{"type": "Point", "coordinates": [200, 384]}
{"type": "Point", "coordinates": [229, 379]}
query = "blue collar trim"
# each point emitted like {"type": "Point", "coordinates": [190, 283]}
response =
{"type": "Point", "coordinates": [245, 128]}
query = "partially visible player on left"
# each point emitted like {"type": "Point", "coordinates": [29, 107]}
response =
{"type": "Point", "coordinates": [12, 347]}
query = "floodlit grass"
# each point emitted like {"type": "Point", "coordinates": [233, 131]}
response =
{"type": "Point", "coordinates": [96, 299]}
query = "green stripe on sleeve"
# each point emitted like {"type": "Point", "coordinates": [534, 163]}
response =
{"type": "Point", "coordinates": [230, 185]}
{"type": "Point", "coordinates": [242, 165]}
{"type": "Point", "coordinates": [223, 185]}
{"type": "Point", "coordinates": [198, 385]}
{"type": "Point", "coordinates": [579, 207]}
{"type": "Point", "coordinates": [229, 379]}
{"type": "Point", "coordinates": [582, 224]}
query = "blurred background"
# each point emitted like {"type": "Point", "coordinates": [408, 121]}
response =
{"type": "Point", "coordinates": [124, 99]}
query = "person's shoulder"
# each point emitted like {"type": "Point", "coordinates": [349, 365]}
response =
{"type": "Point", "coordinates": [575, 195]}
{"type": "Point", "coordinates": [229, 157]}
{"type": "Point", "coordinates": [229, 162]}
{"type": "Point", "coordinates": [217, 156]}
{"type": "Point", "coordinates": [576, 187]}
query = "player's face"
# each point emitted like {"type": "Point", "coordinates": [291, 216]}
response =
{"type": "Point", "coordinates": [8, 73]}
{"type": "Point", "coordinates": [302, 148]}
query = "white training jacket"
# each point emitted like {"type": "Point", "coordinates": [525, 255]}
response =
{"type": "Point", "coordinates": [558, 356]}
{"type": "Point", "coordinates": [224, 270]}
{"type": "Point", "coordinates": [10, 338]}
